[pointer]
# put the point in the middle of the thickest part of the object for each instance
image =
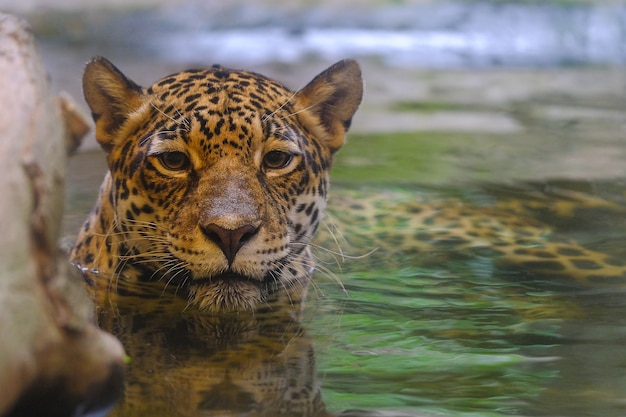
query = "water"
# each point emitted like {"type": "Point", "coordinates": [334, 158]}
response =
{"type": "Point", "coordinates": [391, 331]}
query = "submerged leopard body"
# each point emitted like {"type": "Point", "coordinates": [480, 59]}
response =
{"type": "Point", "coordinates": [520, 229]}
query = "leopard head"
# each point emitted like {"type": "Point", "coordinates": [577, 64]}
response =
{"type": "Point", "coordinates": [217, 179]}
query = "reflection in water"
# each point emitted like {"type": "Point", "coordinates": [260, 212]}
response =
{"type": "Point", "coordinates": [187, 363]}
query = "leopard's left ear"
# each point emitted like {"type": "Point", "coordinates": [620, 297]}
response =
{"type": "Point", "coordinates": [112, 98]}
{"type": "Point", "coordinates": [327, 103]}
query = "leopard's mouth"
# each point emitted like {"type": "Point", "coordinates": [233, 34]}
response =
{"type": "Point", "coordinates": [227, 277]}
{"type": "Point", "coordinates": [229, 291]}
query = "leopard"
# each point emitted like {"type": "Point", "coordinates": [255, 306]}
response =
{"type": "Point", "coordinates": [217, 181]}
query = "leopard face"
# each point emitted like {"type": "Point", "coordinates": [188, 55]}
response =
{"type": "Point", "coordinates": [217, 180]}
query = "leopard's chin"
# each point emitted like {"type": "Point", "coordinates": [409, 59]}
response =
{"type": "Point", "coordinates": [227, 292]}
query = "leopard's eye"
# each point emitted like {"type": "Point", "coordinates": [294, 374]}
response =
{"type": "Point", "coordinates": [174, 161]}
{"type": "Point", "coordinates": [276, 159]}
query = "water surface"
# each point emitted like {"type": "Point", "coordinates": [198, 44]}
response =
{"type": "Point", "coordinates": [386, 330]}
{"type": "Point", "coordinates": [395, 332]}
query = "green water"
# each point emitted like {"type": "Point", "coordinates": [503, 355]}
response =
{"type": "Point", "coordinates": [471, 342]}
{"type": "Point", "coordinates": [461, 336]}
{"type": "Point", "coordinates": [393, 335]}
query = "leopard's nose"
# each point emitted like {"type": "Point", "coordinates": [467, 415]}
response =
{"type": "Point", "coordinates": [229, 240]}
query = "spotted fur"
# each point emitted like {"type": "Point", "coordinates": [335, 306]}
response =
{"type": "Point", "coordinates": [217, 180]}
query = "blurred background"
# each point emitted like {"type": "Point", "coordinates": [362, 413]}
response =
{"type": "Point", "coordinates": [497, 72]}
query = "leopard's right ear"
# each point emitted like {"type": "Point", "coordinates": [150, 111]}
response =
{"type": "Point", "coordinates": [112, 98]}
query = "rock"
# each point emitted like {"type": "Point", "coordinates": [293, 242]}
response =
{"type": "Point", "coordinates": [53, 360]}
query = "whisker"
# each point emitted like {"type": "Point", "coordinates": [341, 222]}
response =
{"type": "Point", "coordinates": [296, 112]}
{"type": "Point", "coordinates": [282, 106]}
{"type": "Point", "coordinates": [327, 273]}
{"type": "Point", "coordinates": [164, 114]}
{"type": "Point", "coordinates": [179, 268]}
{"type": "Point", "coordinates": [184, 121]}
{"type": "Point", "coordinates": [147, 138]}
